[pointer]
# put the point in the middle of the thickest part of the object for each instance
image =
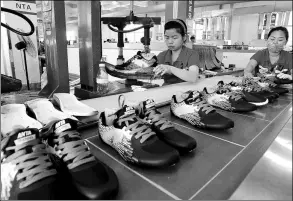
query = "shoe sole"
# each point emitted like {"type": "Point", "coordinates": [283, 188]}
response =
{"type": "Point", "coordinates": [261, 103]}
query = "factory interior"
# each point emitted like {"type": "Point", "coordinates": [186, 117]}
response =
{"type": "Point", "coordinates": [146, 100]}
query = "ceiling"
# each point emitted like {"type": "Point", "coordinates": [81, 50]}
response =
{"type": "Point", "coordinates": [122, 8]}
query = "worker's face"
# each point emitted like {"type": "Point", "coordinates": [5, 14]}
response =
{"type": "Point", "coordinates": [276, 41]}
{"type": "Point", "coordinates": [173, 39]}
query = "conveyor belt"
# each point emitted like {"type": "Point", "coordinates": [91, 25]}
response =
{"type": "Point", "coordinates": [214, 171]}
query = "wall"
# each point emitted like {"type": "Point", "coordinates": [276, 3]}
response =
{"type": "Point", "coordinates": [72, 31]}
{"type": "Point", "coordinates": [244, 28]}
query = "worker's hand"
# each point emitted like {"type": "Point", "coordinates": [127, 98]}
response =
{"type": "Point", "coordinates": [163, 69]}
{"type": "Point", "coordinates": [263, 70]}
{"type": "Point", "coordinates": [248, 75]}
{"type": "Point", "coordinates": [284, 76]}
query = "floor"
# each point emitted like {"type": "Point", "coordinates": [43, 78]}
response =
{"type": "Point", "coordinates": [214, 170]}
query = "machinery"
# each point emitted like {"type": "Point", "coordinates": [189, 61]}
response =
{"type": "Point", "coordinates": [90, 47]}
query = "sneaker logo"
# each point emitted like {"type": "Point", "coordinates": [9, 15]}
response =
{"type": "Point", "coordinates": [149, 103]}
{"type": "Point", "coordinates": [24, 137]}
{"type": "Point", "coordinates": [62, 126]}
{"type": "Point", "coordinates": [128, 111]}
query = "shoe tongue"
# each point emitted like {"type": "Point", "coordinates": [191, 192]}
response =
{"type": "Point", "coordinates": [125, 111]}
{"type": "Point", "coordinates": [193, 95]}
{"type": "Point", "coordinates": [23, 136]}
{"type": "Point", "coordinates": [64, 125]}
{"type": "Point", "coordinates": [148, 104]}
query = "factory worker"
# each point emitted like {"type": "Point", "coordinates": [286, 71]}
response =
{"type": "Point", "coordinates": [178, 63]}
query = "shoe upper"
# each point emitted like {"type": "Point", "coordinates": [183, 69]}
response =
{"type": "Point", "coordinates": [134, 140]}
{"type": "Point", "coordinates": [31, 170]}
{"type": "Point", "coordinates": [227, 99]}
{"type": "Point", "coordinates": [92, 177]}
{"type": "Point", "coordinates": [192, 107]}
{"type": "Point", "coordinates": [164, 128]}
{"type": "Point", "coordinates": [138, 61]}
{"type": "Point", "coordinates": [269, 82]}
{"type": "Point", "coordinates": [249, 96]}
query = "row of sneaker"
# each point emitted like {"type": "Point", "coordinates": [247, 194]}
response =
{"type": "Point", "coordinates": [198, 107]}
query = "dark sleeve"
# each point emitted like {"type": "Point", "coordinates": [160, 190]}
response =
{"type": "Point", "coordinates": [289, 59]}
{"type": "Point", "coordinates": [193, 59]}
{"type": "Point", "coordinates": [161, 57]}
{"type": "Point", "coordinates": [258, 56]}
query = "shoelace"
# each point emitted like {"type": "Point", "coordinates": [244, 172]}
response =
{"type": "Point", "coordinates": [158, 119]}
{"type": "Point", "coordinates": [201, 104]}
{"type": "Point", "coordinates": [138, 129]}
{"type": "Point", "coordinates": [250, 85]}
{"type": "Point", "coordinates": [265, 79]}
{"type": "Point", "coordinates": [77, 151]}
{"type": "Point", "coordinates": [233, 94]}
{"type": "Point", "coordinates": [34, 166]}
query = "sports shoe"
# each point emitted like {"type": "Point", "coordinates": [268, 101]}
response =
{"type": "Point", "coordinates": [140, 60]}
{"type": "Point", "coordinates": [267, 82]}
{"type": "Point", "coordinates": [164, 129]}
{"type": "Point", "coordinates": [253, 87]}
{"type": "Point", "coordinates": [134, 140]}
{"type": "Point", "coordinates": [192, 107]}
{"type": "Point", "coordinates": [250, 97]}
{"type": "Point", "coordinates": [91, 177]}
{"type": "Point", "coordinates": [29, 167]}
{"type": "Point", "coordinates": [227, 99]}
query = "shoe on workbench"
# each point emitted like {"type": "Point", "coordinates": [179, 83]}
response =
{"type": "Point", "coordinates": [164, 128]}
{"type": "Point", "coordinates": [134, 140]}
{"type": "Point", "coordinates": [191, 107]}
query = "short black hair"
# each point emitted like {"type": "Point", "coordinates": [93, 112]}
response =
{"type": "Point", "coordinates": [192, 37]}
{"type": "Point", "coordinates": [177, 26]}
{"type": "Point", "coordinates": [280, 28]}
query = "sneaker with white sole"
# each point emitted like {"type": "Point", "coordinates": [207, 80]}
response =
{"type": "Point", "coordinates": [134, 140]}
{"type": "Point", "coordinates": [269, 82]}
{"type": "Point", "coordinates": [164, 128]}
{"type": "Point", "coordinates": [227, 99]}
{"type": "Point", "coordinates": [250, 97]}
{"type": "Point", "coordinates": [191, 107]}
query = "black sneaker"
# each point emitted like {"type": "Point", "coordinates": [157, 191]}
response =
{"type": "Point", "coordinates": [253, 87]}
{"type": "Point", "coordinates": [90, 176]}
{"type": "Point", "coordinates": [227, 99]}
{"type": "Point", "coordinates": [268, 82]}
{"type": "Point", "coordinates": [250, 97]}
{"type": "Point", "coordinates": [134, 140]}
{"type": "Point", "coordinates": [192, 107]}
{"type": "Point", "coordinates": [164, 129]}
{"type": "Point", "coordinates": [27, 161]}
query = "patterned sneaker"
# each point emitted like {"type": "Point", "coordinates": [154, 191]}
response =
{"type": "Point", "coordinates": [250, 85]}
{"type": "Point", "coordinates": [91, 177]}
{"type": "Point", "coordinates": [140, 60]}
{"type": "Point", "coordinates": [164, 129]}
{"type": "Point", "coordinates": [192, 107]}
{"type": "Point", "coordinates": [228, 100]}
{"type": "Point", "coordinates": [134, 140]}
{"type": "Point", "coordinates": [250, 97]}
{"type": "Point", "coordinates": [28, 167]}
{"type": "Point", "coordinates": [268, 82]}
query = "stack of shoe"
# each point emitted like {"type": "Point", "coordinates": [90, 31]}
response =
{"type": "Point", "coordinates": [227, 99]}
{"type": "Point", "coordinates": [192, 107]}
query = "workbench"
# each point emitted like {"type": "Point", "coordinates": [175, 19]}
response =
{"type": "Point", "coordinates": [221, 161]}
